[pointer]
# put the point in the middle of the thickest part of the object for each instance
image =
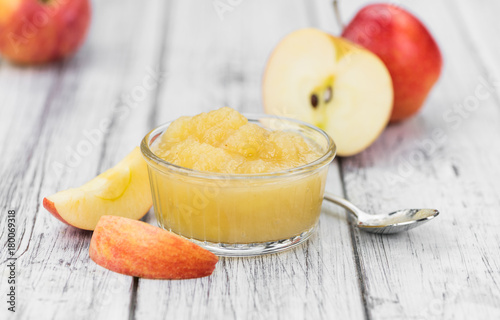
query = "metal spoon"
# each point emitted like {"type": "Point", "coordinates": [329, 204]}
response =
{"type": "Point", "coordinates": [398, 221]}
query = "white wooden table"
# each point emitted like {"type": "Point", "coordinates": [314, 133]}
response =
{"type": "Point", "coordinates": [200, 60]}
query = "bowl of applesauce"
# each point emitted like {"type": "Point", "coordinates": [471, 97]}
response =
{"type": "Point", "coordinates": [236, 185]}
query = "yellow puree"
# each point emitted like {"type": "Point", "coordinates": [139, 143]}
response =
{"type": "Point", "coordinates": [235, 210]}
{"type": "Point", "coordinates": [224, 141]}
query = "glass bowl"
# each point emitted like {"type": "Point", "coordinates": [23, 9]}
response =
{"type": "Point", "coordinates": [242, 214]}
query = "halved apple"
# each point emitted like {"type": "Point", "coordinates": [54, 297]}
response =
{"type": "Point", "coordinates": [120, 191]}
{"type": "Point", "coordinates": [331, 83]}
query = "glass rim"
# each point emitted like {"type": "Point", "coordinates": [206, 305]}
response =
{"type": "Point", "coordinates": [323, 160]}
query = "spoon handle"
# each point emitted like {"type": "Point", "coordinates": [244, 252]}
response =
{"type": "Point", "coordinates": [343, 203]}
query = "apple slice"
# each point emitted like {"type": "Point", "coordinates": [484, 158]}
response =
{"type": "Point", "coordinates": [138, 249]}
{"type": "Point", "coordinates": [120, 191]}
{"type": "Point", "coordinates": [331, 83]}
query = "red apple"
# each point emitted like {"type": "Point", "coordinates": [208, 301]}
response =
{"type": "Point", "coordinates": [405, 46]}
{"type": "Point", "coordinates": [38, 31]}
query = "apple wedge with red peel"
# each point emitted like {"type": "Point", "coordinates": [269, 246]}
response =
{"type": "Point", "coordinates": [138, 249]}
{"type": "Point", "coordinates": [120, 191]}
{"type": "Point", "coordinates": [331, 83]}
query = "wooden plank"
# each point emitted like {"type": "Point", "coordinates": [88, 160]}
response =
{"type": "Point", "coordinates": [56, 278]}
{"type": "Point", "coordinates": [316, 280]}
{"type": "Point", "coordinates": [447, 269]}
{"type": "Point", "coordinates": [478, 24]}
{"type": "Point", "coordinates": [20, 114]}
{"type": "Point", "coordinates": [480, 31]}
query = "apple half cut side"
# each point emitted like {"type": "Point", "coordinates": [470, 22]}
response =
{"type": "Point", "coordinates": [331, 83]}
{"type": "Point", "coordinates": [138, 249]}
{"type": "Point", "coordinates": [120, 191]}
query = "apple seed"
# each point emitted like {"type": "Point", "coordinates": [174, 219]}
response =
{"type": "Point", "coordinates": [314, 100]}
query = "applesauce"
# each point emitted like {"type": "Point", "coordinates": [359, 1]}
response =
{"type": "Point", "coordinates": [238, 186]}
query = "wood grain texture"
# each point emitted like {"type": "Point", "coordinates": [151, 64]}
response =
{"type": "Point", "coordinates": [448, 269]}
{"type": "Point", "coordinates": [56, 278]}
{"type": "Point", "coordinates": [148, 63]}
{"type": "Point", "coordinates": [316, 280]}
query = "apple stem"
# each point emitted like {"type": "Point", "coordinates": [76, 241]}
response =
{"type": "Point", "coordinates": [338, 17]}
